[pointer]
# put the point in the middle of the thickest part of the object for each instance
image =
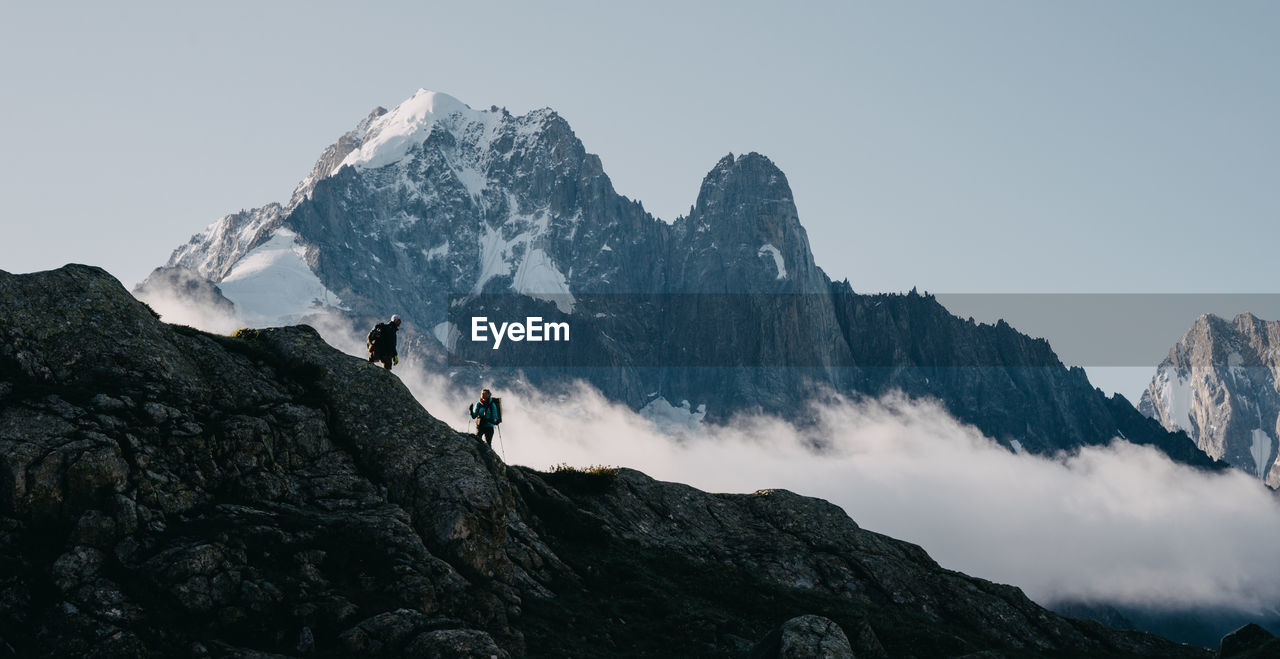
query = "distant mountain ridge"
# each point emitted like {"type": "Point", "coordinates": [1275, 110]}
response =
{"type": "Point", "coordinates": [433, 201]}
{"type": "Point", "coordinates": [1220, 385]}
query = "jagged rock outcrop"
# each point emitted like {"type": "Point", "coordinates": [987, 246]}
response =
{"type": "Point", "coordinates": [1249, 642]}
{"type": "Point", "coordinates": [169, 492]}
{"type": "Point", "coordinates": [1220, 385]}
{"type": "Point", "coordinates": [808, 636]}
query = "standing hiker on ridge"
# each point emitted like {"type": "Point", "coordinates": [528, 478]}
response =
{"type": "Point", "coordinates": [382, 343]}
{"type": "Point", "coordinates": [488, 414]}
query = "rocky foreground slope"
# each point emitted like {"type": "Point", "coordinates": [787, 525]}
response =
{"type": "Point", "coordinates": [166, 492]}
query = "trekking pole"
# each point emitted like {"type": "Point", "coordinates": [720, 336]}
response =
{"type": "Point", "coordinates": [502, 446]}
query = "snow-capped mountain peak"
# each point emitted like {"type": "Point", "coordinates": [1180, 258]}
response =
{"type": "Point", "coordinates": [433, 192]}
{"type": "Point", "coordinates": [390, 137]}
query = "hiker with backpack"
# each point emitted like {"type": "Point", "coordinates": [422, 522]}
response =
{"type": "Point", "coordinates": [488, 414]}
{"type": "Point", "coordinates": [382, 343]}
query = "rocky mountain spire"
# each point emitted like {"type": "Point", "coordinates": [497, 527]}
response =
{"type": "Point", "coordinates": [744, 234]}
{"type": "Point", "coordinates": [1219, 384]}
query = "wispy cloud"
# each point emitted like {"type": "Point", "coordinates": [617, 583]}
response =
{"type": "Point", "coordinates": [178, 309]}
{"type": "Point", "coordinates": [1120, 524]}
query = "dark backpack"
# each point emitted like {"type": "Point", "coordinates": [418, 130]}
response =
{"type": "Point", "coordinates": [375, 335]}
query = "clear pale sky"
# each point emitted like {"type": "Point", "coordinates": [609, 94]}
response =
{"type": "Point", "coordinates": [962, 147]}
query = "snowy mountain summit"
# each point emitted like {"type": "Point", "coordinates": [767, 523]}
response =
{"type": "Point", "coordinates": [431, 193]}
{"type": "Point", "coordinates": [390, 137]}
{"type": "Point", "coordinates": [434, 198]}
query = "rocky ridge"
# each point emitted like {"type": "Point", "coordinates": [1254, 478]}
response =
{"type": "Point", "coordinates": [167, 492]}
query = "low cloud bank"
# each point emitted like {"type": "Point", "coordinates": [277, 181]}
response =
{"type": "Point", "coordinates": [1118, 524]}
{"type": "Point", "coordinates": [176, 308]}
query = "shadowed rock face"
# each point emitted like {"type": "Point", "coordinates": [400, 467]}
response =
{"type": "Point", "coordinates": [169, 492]}
{"type": "Point", "coordinates": [1249, 642]}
